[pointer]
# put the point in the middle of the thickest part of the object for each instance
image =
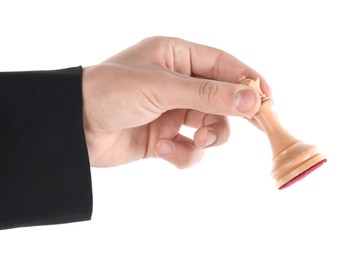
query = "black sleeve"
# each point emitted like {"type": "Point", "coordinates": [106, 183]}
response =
{"type": "Point", "coordinates": [44, 166]}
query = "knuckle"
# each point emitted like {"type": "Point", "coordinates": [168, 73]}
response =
{"type": "Point", "coordinates": [154, 38]}
{"type": "Point", "coordinates": [156, 42]}
{"type": "Point", "coordinates": [192, 157]}
{"type": "Point", "coordinates": [208, 92]}
{"type": "Point", "coordinates": [162, 41]}
{"type": "Point", "coordinates": [187, 164]}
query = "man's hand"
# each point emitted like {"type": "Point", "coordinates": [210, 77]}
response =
{"type": "Point", "coordinates": [136, 102]}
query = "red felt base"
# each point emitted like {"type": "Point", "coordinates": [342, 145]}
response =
{"type": "Point", "coordinates": [302, 175]}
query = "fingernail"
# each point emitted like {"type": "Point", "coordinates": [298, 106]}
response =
{"type": "Point", "coordinates": [165, 149]}
{"type": "Point", "coordinates": [244, 100]}
{"type": "Point", "coordinates": [211, 138]}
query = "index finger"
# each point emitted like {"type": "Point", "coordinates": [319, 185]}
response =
{"type": "Point", "coordinates": [207, 62]}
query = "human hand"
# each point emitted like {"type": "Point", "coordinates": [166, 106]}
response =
{"type": "Point", "coordinates": [135, 103]}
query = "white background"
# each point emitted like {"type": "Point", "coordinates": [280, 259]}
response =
{"type": "Point", "coordinates": [227, 206]}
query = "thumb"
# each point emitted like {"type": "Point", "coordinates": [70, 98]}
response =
{"type": "Point", "coordinates": [212, 97]}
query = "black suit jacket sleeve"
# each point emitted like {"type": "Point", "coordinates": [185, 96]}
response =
{"type": "Point", "coordinates": [44, 165]}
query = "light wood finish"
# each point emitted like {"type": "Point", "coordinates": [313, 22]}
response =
{"type": "Point", "coordinates": [291, 157]}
